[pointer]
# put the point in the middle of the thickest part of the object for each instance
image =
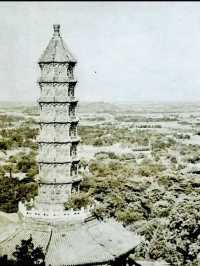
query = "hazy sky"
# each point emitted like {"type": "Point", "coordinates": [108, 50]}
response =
{"type": "Point", "coordinates": [140, 51]}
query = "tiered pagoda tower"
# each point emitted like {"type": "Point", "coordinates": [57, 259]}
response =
{"type": "Point", "coordinates": [58, 139]}
{"type": "Point", "coordinates": [67, 237]}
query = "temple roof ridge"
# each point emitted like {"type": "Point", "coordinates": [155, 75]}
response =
{"type": "Point", "coordinates": [57, 50]}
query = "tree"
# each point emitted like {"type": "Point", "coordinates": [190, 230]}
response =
{"type": "Point", "coordinates": [78, 200]}
{"type": "Point", "coordinates": [27, 255]}
{"type": "Point", "coordinates": [183, 234]}
{"type": "Point", "coordinates": [4, 261]}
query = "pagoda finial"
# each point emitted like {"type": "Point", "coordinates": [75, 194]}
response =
{"type": "Point", "coordinates": [56, 28]}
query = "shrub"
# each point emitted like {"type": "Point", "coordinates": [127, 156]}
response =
{"type": "Point", "coordinates": [77, 201]}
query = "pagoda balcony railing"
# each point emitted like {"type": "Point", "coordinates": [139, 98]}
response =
{"type": "Point", "coordinates": [57, 99]}
{"type": "Point", "coordinates": [68, 215]}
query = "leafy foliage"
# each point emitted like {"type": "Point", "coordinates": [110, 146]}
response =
{"type": "Point", "coordinates": [12, 191]}
{"type": "Point", "coordinates": [18, 137]}
{"type": "Point", "coordinates": [25, 255]}
{"type": "Point", "coordinates": [77, 201]}
{"type": "Point", "coordinates": [163, 208]}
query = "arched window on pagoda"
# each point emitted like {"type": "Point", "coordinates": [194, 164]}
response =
{"type": "Point", "coordinates": [71, 90]}
{"type": "Point", "coordinates": [75, 187]}
{"type": "Point", "coordinates": [74, 169]}
{"type": "Point", "coordinates": [71, 110]}
{"type": "Point", "coordinates": [73, 150]}
{"type": "Point", "coordinates": [72, 131]}
{"type": "Point", "coordinates": [70, 71]}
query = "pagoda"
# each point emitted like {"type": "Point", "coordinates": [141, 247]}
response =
{"type": "Point", "coordinates": [68, 237]}
{"type": "Point", "coordinates": [58, 140]}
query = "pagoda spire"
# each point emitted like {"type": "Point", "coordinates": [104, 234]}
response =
{"type": "Point", "coordinates": [57, 50]}
{"type": "Point", "coordinates": [56, 28]}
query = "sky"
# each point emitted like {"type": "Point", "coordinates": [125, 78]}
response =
{"type": "Point", "coordinates": [126, 51]}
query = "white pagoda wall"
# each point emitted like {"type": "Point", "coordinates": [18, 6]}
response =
{"type": "Point", "coordinates": [58, 173]}
{"type": "Point", "coordinates": [57, 132]}
{"type": "Point", "coordinates": [58, 163]}
{"type": "Point", "coordinates": [56, 72]}
{"type": "Point", "coordinates": [56, 193]}
{"type": "Point", "coordinates": [56, 152]}
{"type": "Point", "coordinates": [56, 112]}
{"type": "Point", "coordinates": [54, 132]}
{"type": "Point", "coordinates": [59, 91]}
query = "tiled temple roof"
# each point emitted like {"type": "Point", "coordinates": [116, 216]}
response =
{"type": "Point", "coordinates": [57, 50]}
{"type": "Point", "coordinates": [93, 242]}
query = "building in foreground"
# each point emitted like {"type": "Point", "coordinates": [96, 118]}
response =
{"type": "Point", "coordinates": [67, 237]}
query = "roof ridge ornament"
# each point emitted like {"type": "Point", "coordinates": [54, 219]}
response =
{"type": "Point", "coordinates": [56, 28]}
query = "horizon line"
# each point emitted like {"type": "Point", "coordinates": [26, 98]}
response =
{"type": "Point", "coordinates": [112, 102]}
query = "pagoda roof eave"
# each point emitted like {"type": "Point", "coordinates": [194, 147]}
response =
{"type": "Point", "coordinates": [54, 162]}
{"type": "Point", "coordinates": [61, 183]}
{"type": "Point", "coordinates": [75, 140]}
{"type": "Point", "coordinates": [57, 51]}
{"type": "Point", "coordinates": [58, 62]}
{"type": "Point", "coordinates": [58, 81]}
{"type": "Point", "coordinates": [58, 102]}
{"type": "Point", "coordinates": [58, 122]}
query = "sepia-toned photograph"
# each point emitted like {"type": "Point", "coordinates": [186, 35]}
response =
{"type": "Point", "coordinates": [100, 133]}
